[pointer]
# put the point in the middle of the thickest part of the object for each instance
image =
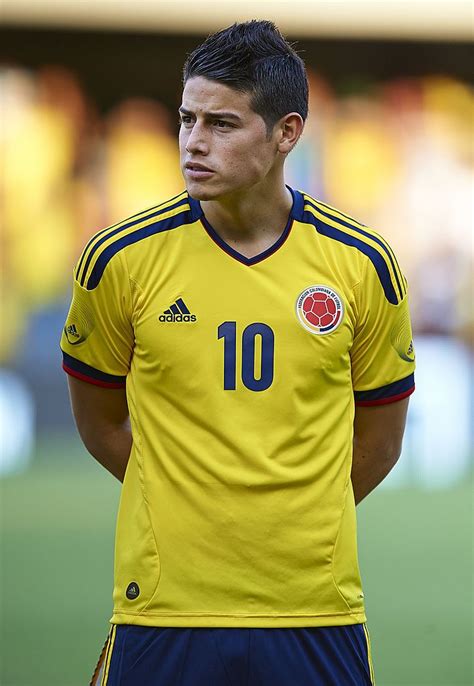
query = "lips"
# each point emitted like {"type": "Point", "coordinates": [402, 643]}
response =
{"type": "Point", "coordinates": [197, 172]}
{"type": "Point", "coordinates": [195, 166]}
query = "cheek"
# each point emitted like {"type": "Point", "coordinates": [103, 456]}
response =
{"type": "Point", "coordinates": [249, 158]}
{"type": "Point", "coordinates": [182, 142]}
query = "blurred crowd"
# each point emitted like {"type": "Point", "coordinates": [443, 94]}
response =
{"type": "Point", "coordinates": [396, 155]}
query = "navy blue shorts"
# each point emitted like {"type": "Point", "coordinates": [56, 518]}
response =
{"type": "Point", "coordinates": [152, 656]}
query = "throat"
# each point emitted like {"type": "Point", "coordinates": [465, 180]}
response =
{"type": "Point", "coordinates": [248, 233]}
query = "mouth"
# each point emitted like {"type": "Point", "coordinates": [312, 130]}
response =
{"type": "Point", "coordinates": [197, 171]}
{"type": "Point", "coordinates": [195, 166]}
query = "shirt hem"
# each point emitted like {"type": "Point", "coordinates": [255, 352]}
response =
{"type": "Point", "coordinates": [237, 621]}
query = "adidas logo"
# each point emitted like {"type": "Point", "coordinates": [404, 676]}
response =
{"type": "Point", "coordinates": [73, 336]}
{"type": "Point", "coordinates": [178, 312]}
{"type": "Point", "coordinates": [72, 331]}
{"type": "Point", "coordinates": [133, 590]}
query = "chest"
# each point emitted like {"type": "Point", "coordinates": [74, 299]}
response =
{"type": "Point", "coordinates": [205, 318]}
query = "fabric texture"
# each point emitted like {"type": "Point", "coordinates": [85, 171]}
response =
{"type": "Point", "coordinates": [242, 376]}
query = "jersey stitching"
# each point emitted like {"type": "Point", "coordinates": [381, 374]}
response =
{"type": "Point", "coordinates": [358, 298]}
{"type": "Point", "coordinates": [130, 280]}
{"type": "Point", "coordinates": [123, 258]}
{"type": "Point", "coordinates": [355, 613]}
{"type": "Point", "coordinates": [336, 541]}
{"type": "Point", "coordinates": [136, 307]}
{"type": "Point", "coordinates": [137, 432]}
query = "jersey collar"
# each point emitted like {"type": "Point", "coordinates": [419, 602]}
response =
{"type": "Point", "coordinates": [295, 213]}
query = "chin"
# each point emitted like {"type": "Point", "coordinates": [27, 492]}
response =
{"type": "Point", "coordinates": [198, 191]}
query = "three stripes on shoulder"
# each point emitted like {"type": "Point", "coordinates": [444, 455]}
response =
{"type": "Point", "coordinates": [175, 212]}
{"type": "Point", "coordinates": [106, 243]}
{"type": "Point", "coordinates": [340, 227]}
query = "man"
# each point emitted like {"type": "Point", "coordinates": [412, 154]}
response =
{"type": "Point", "coordinates": [217, 345]}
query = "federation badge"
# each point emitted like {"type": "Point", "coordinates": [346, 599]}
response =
{"type": "Point", "coordinates": [319, 309]}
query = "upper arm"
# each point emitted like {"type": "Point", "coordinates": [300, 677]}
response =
{"type": "Point", "coordinates": [379, 429]}
{"type": "Point", "coordinates": [382, 354]}
{"type": "Point", "coordinates": [102, 419]}
{"type": "Point", "coordinates": [97, 345]}
{"type": "Point", "coordinates": [378, 434]}
{"type": "Point", "coordinates": [98, 338]}
{"type": "Point", "coordinates": [96, 409]}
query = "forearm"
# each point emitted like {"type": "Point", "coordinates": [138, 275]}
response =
{"type": "Point", "coordinates": [370, 467]}
{"type": "Point", "coordinates": [378, 435]}
{"type": "Point", "coordinates": [103, 422]}
{"type": "Point", "coordinates": [110, 447]}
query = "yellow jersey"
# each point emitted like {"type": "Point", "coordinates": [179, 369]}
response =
{"type": "Point", "coordinates": [241, 377]}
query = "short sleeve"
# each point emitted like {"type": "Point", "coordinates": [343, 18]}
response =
{"type": "Point", "coordinates": [97, 339]}
{"type": "Point", "coordinates": [382, 354]}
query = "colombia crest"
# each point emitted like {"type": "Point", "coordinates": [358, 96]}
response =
{"type": "Point", "coordinates": [319, 309]}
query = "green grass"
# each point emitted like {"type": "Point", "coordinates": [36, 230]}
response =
{"type": "Point", "coordinates": [57, 529]}
{"type": "Point", "coordinates": [415, 552]}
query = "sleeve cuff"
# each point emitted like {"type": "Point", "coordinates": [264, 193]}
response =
{"type": "Point", "coordinates": [386, 394]}
{"type": "Point", "coordinates": [84, 372]}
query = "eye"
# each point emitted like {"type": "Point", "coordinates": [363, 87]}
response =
{"type": "Point", "coordinates": [185, 120]}
{"type": "Point", "coordinates": [222, 124]}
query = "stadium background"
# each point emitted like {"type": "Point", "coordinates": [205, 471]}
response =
{"type": "Point", "coordinates": [88, 94]}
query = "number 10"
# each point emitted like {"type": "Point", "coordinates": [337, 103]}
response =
{"type": "Point", "coordinates": [228, 331]}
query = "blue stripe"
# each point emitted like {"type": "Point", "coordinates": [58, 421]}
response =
{"type": "Point", "coordinates": [391, 389]}
{"type": "Point", "coordinates": [332, 209]}
{"type": "Point", "coordinates": [109, 233]}
{"type": "Point", "coordinates": [182, 306]}
{"type": "Point", "coordinates": [374, 238]}
{"type": "Point", "coordinates": [108, 228]}
{"type": "Point", "coordinates": [145, 232]}
{"type": "Point", "coordinates": [83, 368]}
{"type": "Point", "coordinates": [372, 253]}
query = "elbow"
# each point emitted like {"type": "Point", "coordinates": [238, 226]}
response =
{"type": "Point", "coordinates": [90, 437]}
{"type": "Point", "coordinates": [390, 451]}
{"type": "Point", "coordinates": [393, 455]}
{"type": "Point", "coordinates": [384, 452]}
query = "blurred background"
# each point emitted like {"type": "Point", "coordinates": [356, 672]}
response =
{"type": "Point", "coordinates": [88, 100]}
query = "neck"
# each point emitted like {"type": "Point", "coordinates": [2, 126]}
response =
{"type": "Point", "coordinates": [250, 221]}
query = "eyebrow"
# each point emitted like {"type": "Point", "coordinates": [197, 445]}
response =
{"type": "Point", "coordinates": [213, 115]}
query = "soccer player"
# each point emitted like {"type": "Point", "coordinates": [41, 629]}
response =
{"type": "Point", "coordinates": [240, 357]}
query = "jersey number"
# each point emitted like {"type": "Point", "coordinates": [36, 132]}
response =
{"type": "Point", "coordinates": [256, 338]}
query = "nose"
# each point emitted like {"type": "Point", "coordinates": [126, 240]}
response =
{"type": "Point", "coordinates": [196, 142]}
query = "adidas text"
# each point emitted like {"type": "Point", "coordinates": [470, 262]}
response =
{"type": "Point", "coordinates": [177, 318]}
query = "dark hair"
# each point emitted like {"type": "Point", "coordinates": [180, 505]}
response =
{"type": "Point", "coordinates": [253, 57]}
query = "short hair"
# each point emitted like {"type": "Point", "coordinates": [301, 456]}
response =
{"type": "Point", "coordinates": [253, 57]}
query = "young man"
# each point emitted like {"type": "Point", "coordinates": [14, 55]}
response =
{"type": "Point", "coordinates": [240, 356]}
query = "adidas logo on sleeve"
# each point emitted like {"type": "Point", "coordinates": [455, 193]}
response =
{"type": "Point", "coordinates": [177, 312]}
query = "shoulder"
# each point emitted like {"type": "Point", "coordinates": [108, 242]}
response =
{"type": "Point", "coordinates": [113, 240]}
{"type": "Point", "coordinates": [343, 230]}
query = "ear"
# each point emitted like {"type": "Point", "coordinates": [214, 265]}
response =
{"type": "Point", "coordinates": [290, 128]}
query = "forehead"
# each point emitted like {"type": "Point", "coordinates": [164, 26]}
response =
{"type": "Point", "coordinates": [202, 95]}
